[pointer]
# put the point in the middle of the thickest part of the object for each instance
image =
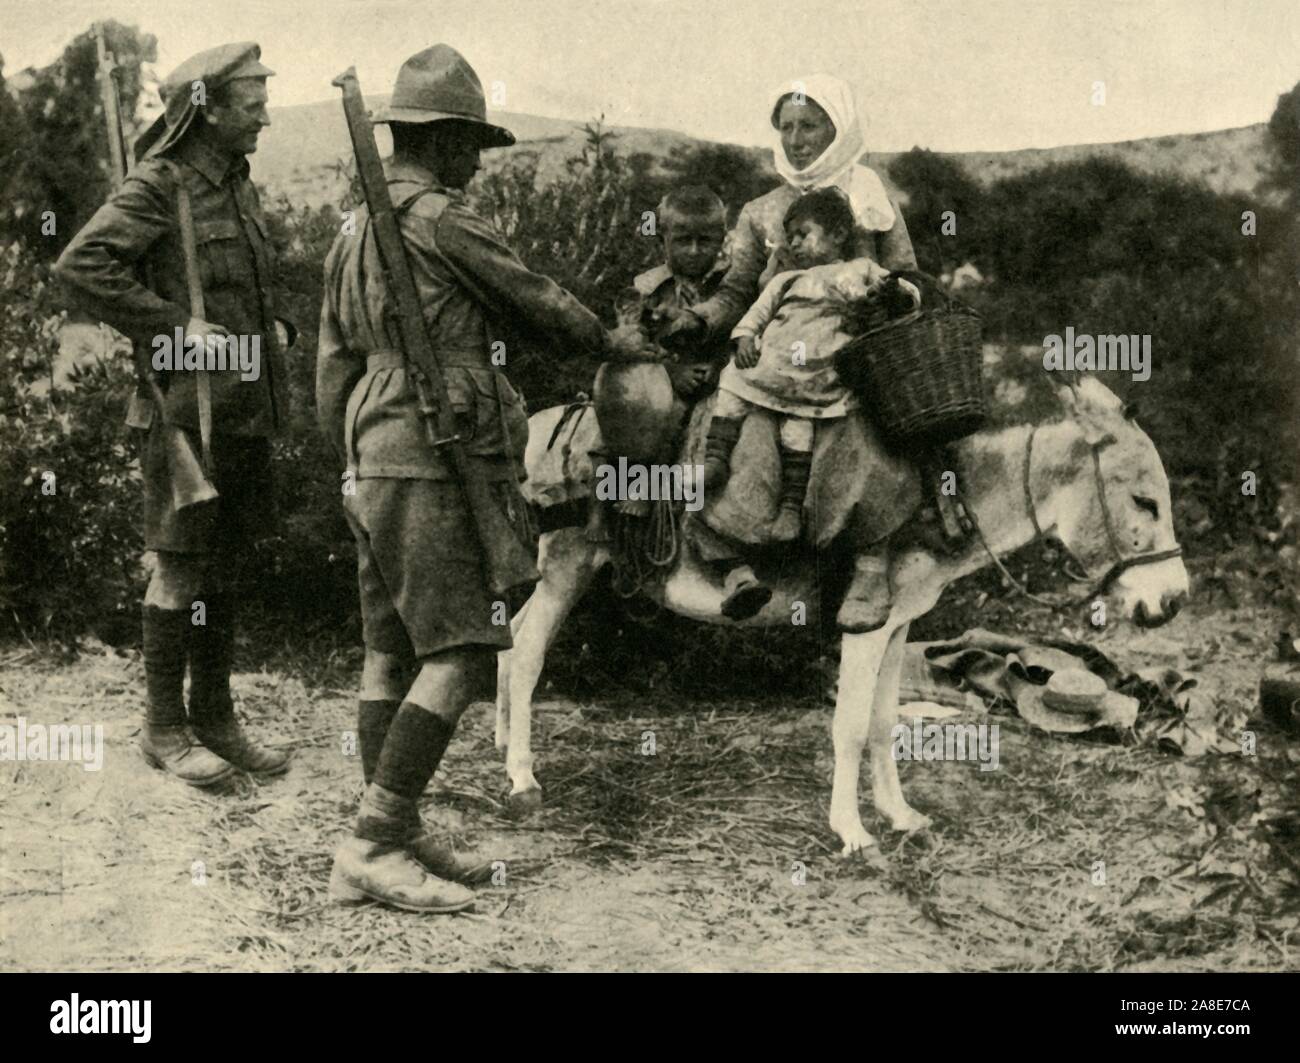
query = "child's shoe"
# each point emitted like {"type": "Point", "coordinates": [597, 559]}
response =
{"type": "Point", "coordinates": [746, 594]}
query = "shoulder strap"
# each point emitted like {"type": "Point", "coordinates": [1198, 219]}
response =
{"type": "Point", "coordinates": [403, 203]}
{"type": "Point", "coordinates": [405, 200]}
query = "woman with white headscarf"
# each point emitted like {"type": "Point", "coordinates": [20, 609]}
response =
{"type": "Point", "coordinates": [818, 144]}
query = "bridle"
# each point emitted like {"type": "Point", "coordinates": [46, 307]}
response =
{"type": "Point", "coordinates": [1122, 562]}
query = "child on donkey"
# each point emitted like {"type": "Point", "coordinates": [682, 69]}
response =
{"type": "Point", "coordinates": [784, 362]}
{"type": "Point", "coordinates": [692, 224]}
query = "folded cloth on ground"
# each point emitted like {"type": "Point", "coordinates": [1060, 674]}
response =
{"type": "Point", "coordinates": [982, 667]}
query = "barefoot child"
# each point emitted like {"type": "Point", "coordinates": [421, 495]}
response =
{"type": "Point", "coordinates": [784, 361]}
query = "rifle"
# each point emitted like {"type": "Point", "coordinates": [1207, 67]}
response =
{"type": "Point", "coordinates": [189, 483]}
{"type": "Point", "coordinates": [509, 563]}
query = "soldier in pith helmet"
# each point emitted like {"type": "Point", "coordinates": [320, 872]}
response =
{"type": "Point", "coordinates": [127, 267]}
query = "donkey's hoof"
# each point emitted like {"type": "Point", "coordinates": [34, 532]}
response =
{"type": "Point", "coordinates": [524, 802]}
{"type": "Point", "coordinates": [910, 820]}
{"type": "Point", "coordinates": [857, 842]}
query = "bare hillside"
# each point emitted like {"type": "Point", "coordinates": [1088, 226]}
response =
{"type": "Point", "coordinates": [298, 156]}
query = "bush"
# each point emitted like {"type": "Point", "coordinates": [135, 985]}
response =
{"type": "Point", "coordinates": [1099, 247]}
{"type": "Point", "coordinates": [582, 230]}
{"type": "Point", "coordinates": [737, 174]}
{"type": "Point", "coordinates": [936, 184]}
{"type": "Point", "coordinates": [55, 148]}
{"type": "Point", "coordinates": [69, 490]}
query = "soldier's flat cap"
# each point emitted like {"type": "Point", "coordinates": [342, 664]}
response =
{"type": "Point", "coordinates": [216, 67]}
{"type": "Point", "coordinates": [212, 67]}
{"type": "Point", "coordinates": [439, 85]}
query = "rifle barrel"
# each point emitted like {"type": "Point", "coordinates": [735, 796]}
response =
{"type": "Point", "coordinates": [112, 108]}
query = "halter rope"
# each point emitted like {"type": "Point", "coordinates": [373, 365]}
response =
{"type": "Point", "coordinates": [1121, 564]}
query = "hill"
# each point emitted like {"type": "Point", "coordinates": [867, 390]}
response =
{"type": "Point", "coordinates": [299, 154]}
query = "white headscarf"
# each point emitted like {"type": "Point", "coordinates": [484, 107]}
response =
{"type": "Point", "coordinates": [838, 164]}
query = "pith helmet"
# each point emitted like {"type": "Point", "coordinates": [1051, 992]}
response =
{"type": "Point", "coordinates": [438, 85]}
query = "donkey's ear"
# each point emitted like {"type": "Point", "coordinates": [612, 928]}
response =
{"type": "Point", "coordinates": [1096, 431]}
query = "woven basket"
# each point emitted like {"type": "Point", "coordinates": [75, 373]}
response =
{"type": "Point", "coordinates": [921, 376]}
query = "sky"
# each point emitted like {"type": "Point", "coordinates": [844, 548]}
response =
{"type": "Point", "coordinates": [950, 75]}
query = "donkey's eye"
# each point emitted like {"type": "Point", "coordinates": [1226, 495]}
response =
{"type": "Point", "coordinates": [1148, 505]}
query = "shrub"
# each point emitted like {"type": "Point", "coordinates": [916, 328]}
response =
{"type": "Point", "coordinates": [737, 174]}
{"type": "Point", "coordinates": [934, 185]}
{"type": "Point", "coordinates": [582, 230]}
{"type": "Point", "coordinates": [55, 151]}
{"type": "Point", "coordinates": [1107, 250]}
{"type": "Point", "coordinates": [69, 491]}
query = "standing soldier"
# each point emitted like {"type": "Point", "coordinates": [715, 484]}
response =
{"type": "Point", "coordinates": [128, 268]}
{"type": "Point", "coordinates": [431, 625]}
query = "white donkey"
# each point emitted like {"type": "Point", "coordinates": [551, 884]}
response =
{"type": "Point", "coordinates": [1091, 480]}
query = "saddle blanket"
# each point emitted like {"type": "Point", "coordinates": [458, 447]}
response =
{"type": "Point", "coordinates": [853, 476]}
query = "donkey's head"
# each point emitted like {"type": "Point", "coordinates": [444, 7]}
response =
{"type": "Point", "coordinates": [1115, 516]}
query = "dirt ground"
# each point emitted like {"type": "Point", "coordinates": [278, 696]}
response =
{"type": "Point", "coordinates": [712, 854]}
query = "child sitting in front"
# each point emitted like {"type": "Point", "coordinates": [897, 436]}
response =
{"type": "Point", "coordinates": [785, 349]}
{"type": "Point", "coordinates": [692, 223]}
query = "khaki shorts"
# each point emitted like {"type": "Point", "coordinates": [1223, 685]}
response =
{"type": "Point", "coordinates": [227, 525]}
{"type": "Point", "coordinates": [424, 588]}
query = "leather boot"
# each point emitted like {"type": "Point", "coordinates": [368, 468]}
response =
{"type": "Point", "coordinates": [166, 742]}
{"type": "Point", "coordinates": [796, 469]}
{"type": "Point", "coordinates": [867, 602]}
{"type": "Point", "coordinates": [212, 710]}
{"type": "Point", "coordinates": [373, 720]}
{"type": "Point", "coordinates": [374, 871]}
{"type": "Point", "coordinates": [179, 752]}
{"type": "Point", "coordinates": [746, 595]}
{"type": "Point", "coordinates": [444, 862]}
{"type": "Point", "coordinates": [227, 738]}
{"type": "Point", "coordinates": [718, 445]}
{"type": "Point", "coordinates": [376, 865]}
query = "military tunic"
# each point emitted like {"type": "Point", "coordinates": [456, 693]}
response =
{"type": "Point", "coordinates": [423, 585]}
{"type": "Point", "coordinates": [127, 267]}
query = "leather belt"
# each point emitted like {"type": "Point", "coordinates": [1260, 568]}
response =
{"type": "Point", "coordinates": [455, 358]}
